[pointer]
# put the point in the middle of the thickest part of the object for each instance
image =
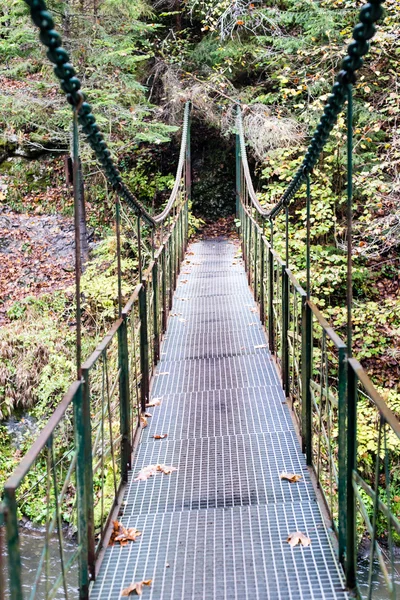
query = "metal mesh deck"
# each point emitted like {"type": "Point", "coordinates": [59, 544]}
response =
{"type": "Point", "coordinates": [217, 527]}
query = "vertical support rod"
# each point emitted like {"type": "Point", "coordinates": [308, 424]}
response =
{"type": "Point", "coordinates": [163, 257]}
{"type": "Point", "coordinates": [144, 347]}
{"type": "Point", "coordinates": [85, 430]}
{"type": "Point", "coordinates": [124, 396]}
{"type": "Point", "coordinates": [351, 546]}
{"type": "Point", "coordinates": [306, 372]}
{"type": "Point", "coordinates": [139, 238]}
{"type": "Point", "coordinates": [81, 497]}
{"type": "Point", "coordinates": [349, 216]}
{"type": "Point", "coordinates": [78, 260]}
{"type": "Point", "coordinates": [119, 270]}
{"type": "Point", "coordinates": [256, 269]}
{"type": "Point", "coordinates": [271, 331]}
{"type": "Point", "coordinates": [308, 236]}
{"type": "Point", "coordinates": [156, 311]}
{"type": "Point", "coordinates": [262, 279]}
{"type": "Point", "coordinates": [285, 329]}
{"type": "Point", "coordinates": [342, 451]}
{"type": "Point", "coordinates": [13, 547]}
{"type": "Point", "coordinates": [188, 159]}
{"type": "Point", "coordinates": [238, 157]}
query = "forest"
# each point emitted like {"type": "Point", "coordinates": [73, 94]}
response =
{"type": "Point", "coordinates": [139, 62]}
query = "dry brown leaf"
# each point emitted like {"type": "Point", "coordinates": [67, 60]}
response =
{"type": "Point", "coordinates": [160, 436]}
{"type": "Point", "coordinates": [135, 588]}
{"type": "Point", "coordinates": [183, 281]}
{"type": "Point", "coordinates": [292, 477]}
{"type": "Point", "coordinates": [146, 473]}
{"type": "Point", "coordinates": [151, 470]}
{"type": "Point", "coordinates": [155, 402]}
{"type": "Point", "coordinates": [123, 535]}
{"type": "Point", "coordinates": [143, 421]}
{"type": "Point", "coordinates": [298, 538]}
{"type": "Point", "coordinates": [261, 346]}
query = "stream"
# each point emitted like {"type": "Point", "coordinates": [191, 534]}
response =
{"type": "Point", "coordinates": [32, 543]}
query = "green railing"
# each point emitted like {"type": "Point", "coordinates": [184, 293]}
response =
{"type": "Point", "coordinates": [80, 488]}
{"type": "Point", "coordinates": [326, 387]}
{"type": "Point", "coordinates": [76, 469]}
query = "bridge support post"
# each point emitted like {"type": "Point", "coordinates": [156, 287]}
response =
{"type": "Point", "coordinates": [81, 498]}
{"type": "Point", "coordinates": [156, 309]}
{"type": "Point", "coordinates": [351, 558]}
{"type": "Point", "coordinates": [85, 430]}
{"type": "Point", "coordinates": [262, 279]}
{"type": "Point", "coordinates": [306, 372]}
{"type": "Point", "coordinates": [285, 329]}
{"type": "Point", "coordinates": [271, 334]}
{"type": "Point", "coordinates": [163, 257]}
{"type": "Point", "coordinates": [342, 442]}
{"type": "Point", "coordinates": [124, 395]}
{"type": "Point", "coordinates": [144, 347]}
{"type": "Point", "coordinates": [256, 269]}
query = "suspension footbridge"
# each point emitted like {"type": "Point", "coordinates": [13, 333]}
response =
{"type": "Point", "coordinates": [208, 447]}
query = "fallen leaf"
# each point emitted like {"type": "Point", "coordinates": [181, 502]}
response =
{"type": "Point", "coordinates": [143, 421]}
{"type": "Point", "coordinates": [123, 535]}
{"type": "Point", "coordinates": [146, 473]}
{"type": "Point", "coordinates": [160, 436]}
{"type": "Point", "coordinates": [151, 470]}
{"type": "Point", "coordinates": [292, 477]}
{"type": "Point", "coordinates": [135, 588]}
{"type": "Point", "coordinates": [146, 414]}
{"type": "Point", "coordinates": [261, 346]}
{"type": "Point", "coordinates": [298, 538]}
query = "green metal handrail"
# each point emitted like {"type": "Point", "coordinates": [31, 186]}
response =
{"type": "Point", "coordinates": [107, 405]}
{"type": "Point", "coordinates": [112, 387]}
{"type": "Point", "coordinates": [325, 386]}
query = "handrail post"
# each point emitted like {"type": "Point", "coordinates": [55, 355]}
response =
{"type": "Point", "coordinates": [156, 310]}
{"type": "Point", "coordinates": [85, 426]}
{"type": "Point", "coordinates": [125, 408]}
{"type": "Point", "coordinates": [271, 333]}
{"type": "Point", "coordinates": [262, 279]}
{"type": "Point", "coordinates": [163, 257]}
{"type": "Point", "coordinates": [351, 559]}
{"type": "Point", "coordinates": [342, 451]}
{"type": "Point", "coordinates": [13, 547]}
{"type": "Point", "coordinates": [256, 270]}
{"type": "Point", "coordinates": [306, 373]}
{"type": "Point", "coordinates": [188, 159]}
{"type": "Point", "coordinates": [144, 347]}
{"type": "Point", "coordinates": [285, 329]}
{"type": "Point", "coordinates": [81, 496]}
{"type": "Point", "coordinates": [249, 236]}
{"type": "Point", "coordinates": [238, 157]}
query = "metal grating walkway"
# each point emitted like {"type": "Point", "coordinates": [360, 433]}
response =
{"type": "Point", "coordinates": [216, 528]}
